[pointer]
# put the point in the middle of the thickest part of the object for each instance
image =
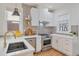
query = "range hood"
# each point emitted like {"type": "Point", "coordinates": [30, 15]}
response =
{"type": "Point", "coordinates": [44, 23]}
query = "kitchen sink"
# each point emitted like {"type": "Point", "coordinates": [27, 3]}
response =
{"type": "Point", "coordinates": [13, 47]}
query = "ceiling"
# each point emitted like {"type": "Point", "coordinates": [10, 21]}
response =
{"type": "Point", "coordinates": [52, 5]}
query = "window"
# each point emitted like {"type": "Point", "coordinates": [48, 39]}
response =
{"type": "Point", "coordinates": [63, 25]}
{"type": "Point", "coordinates": [12, 22]}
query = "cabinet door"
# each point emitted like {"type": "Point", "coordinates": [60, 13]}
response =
{"type": "Point", "coordinates": [35, 17]}
{"type": "Point", "coordinates": [38, 43]}
{"type": "Point", "coordinates": [50, 19]}
{"type": "Point", "coordinates": [54, 42]}
{"type": "Point", "coordinates": [32, 42]}
{"type": "Point", "coordinates": [44, 15]}
{"type": "Point", "coordinates": [67, 46]}
{"type": "Point", "coordinates": [60, 43]}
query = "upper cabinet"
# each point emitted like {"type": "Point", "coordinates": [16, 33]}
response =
{"type": "Point", "coordinates": [35, 17]}
{"type": "Point", "coordinates": [50, 18]}
{"type": "Point", "coordinates": [47, 16]}
{"type": "Point", "coordinates": [42, 15]}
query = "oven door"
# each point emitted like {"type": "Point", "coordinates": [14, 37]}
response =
{"type": "Point", "coordinates": [46, 42]}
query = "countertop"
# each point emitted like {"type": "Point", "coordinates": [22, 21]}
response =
{"type": "Point", "coordinates": [32, 36]}
{"type": "Point", "coordinates": [67, 36]}
{"type": "Point", "coordinates": [20, 39]}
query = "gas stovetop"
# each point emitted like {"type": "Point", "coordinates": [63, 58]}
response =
{"type": "Point", "coordinates": [45, 35]}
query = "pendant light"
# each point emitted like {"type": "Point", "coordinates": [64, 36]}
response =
{"type": "Point", "coordinates": [15, 12]}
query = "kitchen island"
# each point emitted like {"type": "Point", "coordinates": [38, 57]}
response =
{"type": "Point", "coordinates": [23, 52]}
{"type": "Point", "coordinates": [35, 41]}
{"type": "Point", "coordinates": [26, 52]}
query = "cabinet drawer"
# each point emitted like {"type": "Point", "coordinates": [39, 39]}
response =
{"type": "Point", "coordinates": [68, 40]}
{"type": "Point", "coordinates": [68, 52]}
{"type": "Point", "coordinates": [67, 49]}
{"type": "Point", "coordinates": [67, 44]}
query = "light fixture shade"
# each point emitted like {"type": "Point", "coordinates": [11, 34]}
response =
{"type": "Point", "coordinates": [16, 13]}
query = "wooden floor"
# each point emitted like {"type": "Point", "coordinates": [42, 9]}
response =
{"type": "Point", "coordinates": [50, 52]}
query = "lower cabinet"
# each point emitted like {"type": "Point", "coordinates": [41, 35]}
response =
{"type": "Point", "coordinates": [35, 42]}
{"type": "Point", "coordinates": [57, 43]}
{"type": "Point", "coordinates": [38, 44]}
{"type": "Point", "coordinates": [60, 44]}
{"type": "Point", "coordinates": [54, 42]}
{"type": "Point", "coordinates": [32, 42]}
{"type": "Point", "coordinates": [65, 44]}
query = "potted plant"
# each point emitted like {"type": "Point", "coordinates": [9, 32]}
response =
{"type": "Point", "coordinates": [74, 33]}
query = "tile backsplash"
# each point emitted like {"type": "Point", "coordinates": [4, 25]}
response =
{"type": "Point", "coordinates": [74, 28]}
{"type": "Point", "coordinates": [44, 29]}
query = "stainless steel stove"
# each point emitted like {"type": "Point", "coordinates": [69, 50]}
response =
{"type": "Point", "coordinates": [46, 41]}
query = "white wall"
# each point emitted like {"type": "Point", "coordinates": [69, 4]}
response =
{"type": "Point", "coordinates": [72, 10]}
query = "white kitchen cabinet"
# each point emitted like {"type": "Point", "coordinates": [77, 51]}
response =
{"type": "Point", "coordinates": [32, 41]}
{"type": "Point", "coordinates": [54, 42]}
{"type": "Point", "coordinates": [35, 41]}
{"type": "Point", "coordinates": [44, 15]}
{"type": "Point", "coordinates": [57, 43]}
{"type": "Point", "coordinates": [50, 19]}
{"type": "Point", "coordinates": [60, 44]}
{"type": "Point", "coordinates": [38, 14]}
{"type": "Point", "coordinates": [38, 44]}
{"type": "Point", "coordinates": [65, 44]}
{"type": "Point", "coordinates": [35, 16]}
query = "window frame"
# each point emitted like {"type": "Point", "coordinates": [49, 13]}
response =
{"type": "Point", "coordinates": [63, 19]}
